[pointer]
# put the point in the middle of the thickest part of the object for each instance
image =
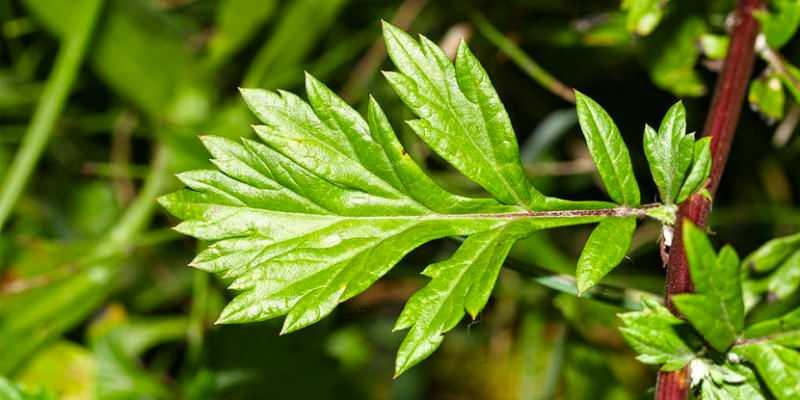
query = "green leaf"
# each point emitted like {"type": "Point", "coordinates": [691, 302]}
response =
{"type": "Point", "coordinates": [131, 31]}
{"type": "Point", "coordinates": [608, 151]}
{"type": "Point", "coordinates": [715, 47]}
{"type": "Point", "coordinates": [460, 283]}
{"type": "Point", "coordinates": [730, 381]}
{"type": "Point", "coordinates": [651, 332]}
{"type": "Point", "coordinates": [778, 366]}
{"type": "Point", "coordinates": [785, 280]}
{"type": "Point", "coordinates": [461, 116]}
{"type": "Point", "coordinates": [767, 97]}
{"type": "Point", "coordinates": [772, 253]}
{"type": "Point", "coordinates": [12, 391]}
{"type": "Point", "coordinates": [643, 15]}
{"type": "Point", "coordinates": [780, 25]}
{"type": "Point", "coordinates": [673, 55]}
{"type": "Point", "coordinates": [784, 331]}
{"type": "Point", "coordinates": [669, 152]}
{"type": "Point", "coordinates": [605, 249]}
{"type": "Point", "coordinates": [326, 203]}
{"type": "Point", "coordinates": [701, 168]}
{"type": "Point", "coordinates": [717, 308]}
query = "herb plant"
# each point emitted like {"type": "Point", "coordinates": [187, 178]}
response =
{"type": "Point", "coordinates": [397, 223]}
{"type": "Point", "coordinates": [327, 202]}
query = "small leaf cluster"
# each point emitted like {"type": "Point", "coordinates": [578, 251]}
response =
{"type": "Point", "coordinates": [727, 356]}
{"type": "Point", "coordinates": [326, 202]}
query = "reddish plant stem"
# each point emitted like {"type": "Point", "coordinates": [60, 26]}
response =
{"type": "Point", "coordinates": [720, 126]}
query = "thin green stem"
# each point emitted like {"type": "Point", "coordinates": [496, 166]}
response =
{"type": "Point", "coordinates": [52, 100]}
{"type": "Point", "coordinates": [138, 214]}
{"type": "Point", "coordinates": [525, 62]}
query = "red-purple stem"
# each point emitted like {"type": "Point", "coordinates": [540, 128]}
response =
{"type": "Point", "coordinates": [720, 126]}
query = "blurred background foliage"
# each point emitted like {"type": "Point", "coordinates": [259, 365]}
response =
{"type": "Point", "coordinates": [96, 300]}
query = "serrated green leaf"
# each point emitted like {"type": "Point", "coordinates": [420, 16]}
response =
{"type": "Point", "coordinates": [643, 15]}
{"type": "Point", "coordinates": [462, 282]}
{"type": "Point", "coordinates": [651, 332]}
{"type": "Point", "coordinates": [608, 151]}
{"type": "Point", "coordinates": [767, 97]}
{"type": "Point", "coordinates": [325, 203]}
{"type": "Point", "coordinates": [779, 25]}
{"type": "Point", "coordinates": [461, 116]}
{"type": "Point", "coordinates": [778, 366]}
{"type": "Point", "coordinates": [784, 331]}
{"type": "Point", "coordinates": [669, 152]}
{"type": "Point", "coordinates": [605, 249]}
{"type": "Point", "coordinates": [772, 253]}
{"type": "Point", "coordinates": [717, 308]}
{"type": "Point", "coordinates": [701, 169]}
{"type": "Point", "coordinates": [730, 381]}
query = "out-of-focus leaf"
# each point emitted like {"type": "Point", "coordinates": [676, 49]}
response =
{"type": "Point", "coordinates": [777, 365]}
{"type": "Point", "coordinates": [33, 317]}
{"type": "Point", "coordinates": [785, 280]}
{"type": "Point", "coordinates": [701, 168]}
{"type": "Point", "coordinates": [119, 374]}
{"type": "Point", "coordinates": [784, 331]}
{"type": "Point", "coordinates": [772, 253]}
{"type": "Point", "coordinates": [605, 249]}
{"type": "Point", "coordinates": [65, 369]}
{"type": "Point", "coordinates": [651, 332]}
{"type": "Point", "coordinates": [350, 347]}
{"type": "Point", "coordinates": [780, 24]}
{"type": "Point", "coordinates": [135, 52]}
{"type": "Point", "coordinates": [608, 151]}
{"type": "Point", "coordinates": [643, 15]}
{"type": "Point", "coordinates": [715, 47]}
{"type": "Point", "coordinates": [767, 97]}
{"type": "Point", "coordinates": [673, 60]}
{"type": "Point", "coordinates": [669, 152]}
{"type": "Point", "coordinates": [237, 21]}
{"type": "Point", "coordinates": [13, 391]}
{"type": "Point", "coordinates": [301, 24]}
{"type": "Point", "coordinates": [717, 308]}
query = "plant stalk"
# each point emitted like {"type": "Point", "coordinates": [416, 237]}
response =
{"type": "Point", "coordinates": [51, 102]}
{"type": "Point", "coordinates": [720, 126]}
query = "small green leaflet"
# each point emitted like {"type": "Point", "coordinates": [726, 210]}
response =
{"type": "Point", "coordinates": [701, 168]}
{"type": "Point", "coordinates": [669, 152]}
{"type": "Point", "coordinates": [605, 249]}
{"type": "Point", "coordinates": [784, 331]}
{"type": "Point", "coordinates": [730, 381]}
{"type": "Point", "coordinates": [780, 25]}
{"type": "Point", "coordinates": [771, 254]}
{"type": "Point", "coordinates": [651, 332]}
{"type": "Point", "coordinates": [461, 116]}
{"type": "Point", "coordinates": [777, 365]}
{"type": "Point", "coordinates": [766, 95]}
{"type": "Point", "coordinates": [608, 151]}
{"type": "Point", "coordinates": [716, 310]}
{"type": "Point", "coordinates": [326, 202]}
